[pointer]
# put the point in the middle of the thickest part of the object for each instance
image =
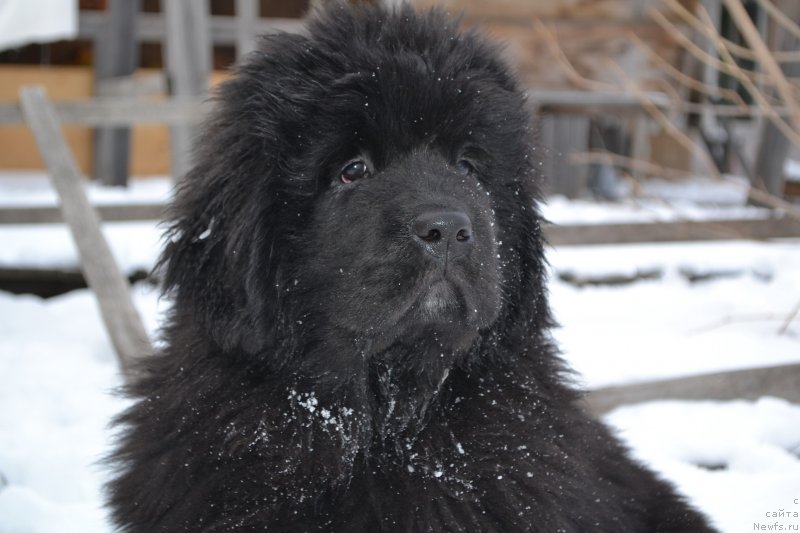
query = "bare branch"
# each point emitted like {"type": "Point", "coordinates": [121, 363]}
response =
{"type": "Point", "coordinates": [572, 74]}
{"type": "Point", "coordinates": [771, 66]}
{"type": "Point", "coordinates": [737, 50]}
{"type": "Point", "coordinates": [670, 128]}
{"type": "Point", "coordinates": [781, 17]}
{"type": "Point", "coordinates": [688, 81]}
{"type": "Point", "coordinates": [790, 317]}
{"type": "Point", "coordinates": [757, 95]}
{"type": "Point", "coordinates": [630, 163]}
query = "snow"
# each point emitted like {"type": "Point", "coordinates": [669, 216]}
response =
{"type": "Point", "coordinates": [135, 245]}
{"type": "Point", "coordinates": [57, 402]}
{"type": "Point", "coordinates": [672, 327]}
{"type": "Point", "coordinates": [34, 189]}
{"type": "Point", "coordinates": [738, 461]}
{"type": "Point", "coordinates": [792, 169]}
{"type": "Point", "coordinates": [661, 200]}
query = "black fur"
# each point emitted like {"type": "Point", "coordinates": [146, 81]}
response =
{"type": "Point", "coordinates": [318, 374]}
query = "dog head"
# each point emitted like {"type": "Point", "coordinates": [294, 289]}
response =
{"type": "Point", "coordinates": [371, 181]}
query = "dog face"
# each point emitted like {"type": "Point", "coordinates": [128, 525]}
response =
{"type": "Point", "coordinates": [405, 248]}
{"type": "Point", "coordinates": [366, 182]}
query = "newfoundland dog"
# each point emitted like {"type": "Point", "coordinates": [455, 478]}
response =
{"type": "Point", "coordinates": [360, 333]}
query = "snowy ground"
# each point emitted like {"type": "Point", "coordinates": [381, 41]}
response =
{"type": "Point", "coordinates": [738, 461]}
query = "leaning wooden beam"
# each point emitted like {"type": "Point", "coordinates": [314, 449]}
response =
{"type": "Point", "coordinates": [781, 381]}
{"type": "Point", "coordinates": [99, 267]}
{"type": "Point", "coordinates": [117, 112]}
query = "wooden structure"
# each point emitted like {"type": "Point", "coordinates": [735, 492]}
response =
{"type": "Point", "coordinates": [541, 37]}
{"type": "Point", "coordinates": [149, 141]}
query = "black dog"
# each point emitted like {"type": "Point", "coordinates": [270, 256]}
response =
{"type": "Point", "coordinates": [359, 340]}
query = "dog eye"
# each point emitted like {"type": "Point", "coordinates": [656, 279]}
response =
{"type": "Point", "coordinates": [354, 171]}
{"type": "Point", "coordinates": [464, 167]}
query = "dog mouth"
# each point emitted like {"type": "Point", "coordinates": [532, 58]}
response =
{"type": "Point", "coordinates": [440, 301]}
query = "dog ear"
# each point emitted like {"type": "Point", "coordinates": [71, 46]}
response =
{"type": "Point", "coordinates": [227, 222]}
{"type": "Point", "coordinates": [213, 260]}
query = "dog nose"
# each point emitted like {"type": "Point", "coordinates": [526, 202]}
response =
{"type": "Point", "coordinates": [443, 233]}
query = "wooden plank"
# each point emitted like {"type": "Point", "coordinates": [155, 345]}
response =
{"type": "Point", "coordinates": [49, 282]}
{"type": "Point", "coordinates": [107, 213]}
{"type": "Point", "coordinates": [556, 235]}
{"type": "Point", "coordinates": [781, 381]}
{"type": "Point", "coordinates": [759, 229]}
{"type": "Point", "coordinates": [111, 289]}
{"type": "Point", "coordinates": [118, 112]}
{"type": "Point", "coordinates": [116, 55]}
{"type": "Point", "coordinates": [126, 111]}
{"type": "Point", "coordinates": [152, 27]}
{"type": "Point", "coordinates": [599, 102]}
{"type": "Point", "coordinates": [188, 62]}
{"type": "Point", "coordinates": [150, 84]}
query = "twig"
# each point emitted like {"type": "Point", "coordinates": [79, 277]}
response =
{"type": "Point", "coordinates": [781, 17]}
{"type": "Point", "coordinates": [771, 66]}
{"type": "Point", "coordinates": [701, 55]}
{"type": "Point", "coordinates": [572, 74]}
{"type": "Point", "coordinates": [622, 161]}
{"type": "Point", "coordinates": [695, 50]}
{"type": "Point", "coordinates": [792, 315]}
{"type": "Point", "coordinates": [773, 201]}
{"type": "Point", "coordinates": [582, 82]}
{"type": "Point", "coordinates": [673, 131]}
{"type": "Point", "coordinates": [758, 96]}
{"type": "Point", "coordinates": [688, 81]}
{"type": "Point", "coordinates": [738, 50]}
{"type": "Point", "coordinates": [737, 319]}
{"type": "Point", "coordinates": [670, 128]}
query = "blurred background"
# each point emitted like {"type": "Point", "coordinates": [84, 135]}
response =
{"type": "Point", "coordinates": [668, 133]}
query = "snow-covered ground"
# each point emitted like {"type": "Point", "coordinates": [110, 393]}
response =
{"type": "Point", "coordinates": [738, 461]}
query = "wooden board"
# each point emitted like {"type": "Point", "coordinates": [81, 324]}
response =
{"type": "Point", "coordinates": [150, 150]}
{"type": "Point", "coordinates": [63, 83]}
{"type": "Point", "coordinates": [556, 235]}
{"type": "Point", "coordinates": [750, 384]}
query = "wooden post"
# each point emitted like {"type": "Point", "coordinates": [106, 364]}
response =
{"type": "Point", "coordinates": [111, 289]}
{"type": "Point", "coordinates": [188, 61]}
{"type": "Point", "coordinates": [773, 146]}
{"type": "Point", "coordinates": [116, 54]}
{"type": "Point", "coordinates": [246, 15]}
{"type": "Point", "coordinates": [570, 134]}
